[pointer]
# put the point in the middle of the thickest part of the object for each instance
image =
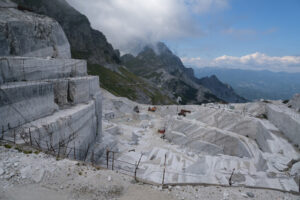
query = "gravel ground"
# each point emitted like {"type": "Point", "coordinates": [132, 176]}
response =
{"type": "Point", "coordinates": [35, 176]}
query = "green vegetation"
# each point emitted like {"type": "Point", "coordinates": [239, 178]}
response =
{"type": "Point", "coordinates": [285, 101]}
{"type": "Point", "coordinates": [27, 151]}
{"type": "Point", "coordinates": [126, 84]}
{"type": "Point", "coordinates": [113, 81]}
{"type": "Point", "coordinates": [80, 54]}
{"type": "Point", "coordinates": [8, 146]}
{"type": "Point", "coordinates": [20, 149]}
{"type": "Point", "coordinates": [36, 152]}
{"type": "Point", "coordinates": [155, 75]}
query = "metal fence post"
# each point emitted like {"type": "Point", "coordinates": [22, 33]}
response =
{"type": "Point", "coordinates": [299, 182]}
{"type": "Point", "coordinates": [163, 180]}
{"type": "Point", "coordinates": [14, 136]}
{"type": "Point", "coordinates": [92, 158]}
{"type": "Point", "coordinates": [74, 152]}
{"type": "Point", "coordinates": [113, 159]}
{"type": "Point", "coordinates": [107, 154]}
{"type": "Point", "coordinates": [2, 136]}
{"type": "Point", "coordinates": [58, 149]}
{"type": "Point", "coordinates": [30, 139]}
{"type": "Point", "coordinates": [230, 178]}
{"type": "Point", "coordinates": [136, 168]}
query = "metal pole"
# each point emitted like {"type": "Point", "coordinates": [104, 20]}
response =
{"type": "Point", "coordinates": [74, 152]}
{"type": "Point", "coordinates": [113, 159]}
{"type": "Point", "coordinates": [30, 137]}
{"type": "Point", "coordinates": [58, 150]}
{"type": "Point", "coordinates": [136, 168]}
{"type": "Point", "coordinates": [2, 137]}
{"type": "Point", "coordinates": [107, 154]}
{"type": "Point", "coordinates": [163, 180]}
{"type": "Point", "coordinates": [92, 159]}
{"type": "Point", "coordinates": [230, 178]}
{"type": "Point", "coordinates": [14, 136]}
{"type": "Point", "coordinates": [299, 182]}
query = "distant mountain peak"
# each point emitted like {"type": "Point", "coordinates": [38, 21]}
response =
{"type": "Point", "coordinates": [157, 63]}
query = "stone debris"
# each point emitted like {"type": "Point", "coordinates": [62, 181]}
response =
{"type": "Point", "coordinates": [250, 194]}
{"type": "Point", "coordinates": [244, 195]}
{"type": "Point", "coordinates": [225, 195]}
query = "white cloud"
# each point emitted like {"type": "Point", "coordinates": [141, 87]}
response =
{"type": "Point", "coordinates": [255, 61]}
{"type": "Point", "coordinates": [131, 23]}
{"type": "Point", "coordinates": [205, 6]}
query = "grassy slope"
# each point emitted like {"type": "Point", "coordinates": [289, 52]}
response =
{"type": "Point", "coordinates": [126, 84]}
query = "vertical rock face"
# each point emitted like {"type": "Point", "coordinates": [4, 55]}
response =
{"type": "Point", "coordinates": [287, 121]}
{"type": "Point", "coordinates": [295, 102]}
{"type": "Point", "coordinates": [85, 42]}
{"type": "Point", "coordinates": [27, 34]}
{"type": "Point", "coordinates": [45, 96]}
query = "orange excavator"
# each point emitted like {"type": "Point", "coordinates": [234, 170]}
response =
{"type": "Point", "coordinates": [183, 112]}
{"type": "Point", "coordinates": [152, 109]}
{"type": "Point", "coordinates": [161, 131]}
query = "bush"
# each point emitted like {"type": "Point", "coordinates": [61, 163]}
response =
{"type": "Point", "coordinates": [8, 146]}
{"type": "Point", "coordinates": [285, 101]}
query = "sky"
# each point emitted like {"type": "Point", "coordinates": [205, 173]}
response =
{"type": "Point", "coordinates": [244, 34]}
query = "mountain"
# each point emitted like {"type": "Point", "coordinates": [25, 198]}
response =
{"type": "Point", "coordinates": [221, 90]}
{"type": "Point", "coordinates": [160, 80]}
{"type": "Point", "coordinates": [255, 85]}
{"type": "Point", "coordinates": [103, 60]}
{"type": "Point", "coordinates": [159, 65]}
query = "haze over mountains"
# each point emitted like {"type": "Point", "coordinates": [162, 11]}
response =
{"type": "Point", "coordinates": [154, 76]}
{"type": "Point", "coordinates": [255, 85]}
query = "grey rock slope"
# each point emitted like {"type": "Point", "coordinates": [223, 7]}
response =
{"type": "Point", "coordinates": [221, 90]}
{"type": "Point", "coordinates": [30, 35]}
{"type": "Point", "coordinates": [86, 43]}
{"type": "Point", "coordinates": [46, 98]}
{"type": "Point", "coordinates": [159, 65]}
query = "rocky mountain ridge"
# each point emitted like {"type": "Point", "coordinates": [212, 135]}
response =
{"type": "Point", "coordinates": [161, 80]}
{"type": "Point", "coordinates": [158, 64]}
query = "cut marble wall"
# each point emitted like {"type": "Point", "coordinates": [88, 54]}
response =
{"type": "Point", "coordinates": [31, 69]}
{"type": "Point", "coordinates": [31, 35]}
{"type": "Point", "coordinates": [286, 120]}
{"type": "Point", "coordinates": [46, 97]}
{"type": "Point", "coordinates": [22, 102]}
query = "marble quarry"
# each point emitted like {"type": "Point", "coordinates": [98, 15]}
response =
{"type": "Point", "coordinates": [238, 144]}
{"type": "Point", "coordinates": [45, 96]}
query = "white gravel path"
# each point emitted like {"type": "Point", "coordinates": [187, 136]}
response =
{"type": "Point", "coordinates": [40, 176]}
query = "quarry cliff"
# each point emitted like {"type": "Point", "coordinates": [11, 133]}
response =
{"type": "Point", "coordinates": [45, 96]}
